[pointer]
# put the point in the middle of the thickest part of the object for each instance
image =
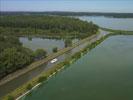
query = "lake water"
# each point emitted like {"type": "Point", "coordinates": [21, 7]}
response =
{"type": "Point", "coordinates": [110, 22]}
{"type": "Point", "coordinates": [105, 73]}
{"type": "Point", "coordinates": [43, 43]}
{"type": "Point", "coordinates": [35, 43]}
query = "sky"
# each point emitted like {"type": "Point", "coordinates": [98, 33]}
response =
{"type": "Point", "coordinates": [125, 6]}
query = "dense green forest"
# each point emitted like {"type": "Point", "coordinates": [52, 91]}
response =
{"type": "Point", "coordinates": [46, 25]}
{"type": "Point", "coordinates": [14, 56]}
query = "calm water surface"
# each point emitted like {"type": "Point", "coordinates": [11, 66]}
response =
{"type": "Point", "coordinates": [110, 22]}
{"type": "Point", "coordinates": [42, 43]}
{"type": "Point", "coordinates": [105, 73]}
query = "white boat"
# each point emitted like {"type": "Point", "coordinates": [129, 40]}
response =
{"type": "Point", "coordinates": [54, 60]}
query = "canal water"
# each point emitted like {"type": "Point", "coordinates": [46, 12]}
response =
{"type": "Point", "coordinates": [104, 73]}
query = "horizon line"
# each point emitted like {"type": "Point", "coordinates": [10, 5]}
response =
{"type": "Point", "coordinates": [70, 11]}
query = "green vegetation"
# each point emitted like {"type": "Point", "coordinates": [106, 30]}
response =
{"type": "Point", "coordinates": [118, 32]}
{"type": "Point", "coordinates": [40, 54]}
{"type": "Point", "coordinates": [55, 49]}
{"type": "Point", "coordinates": [46, 25]}
{"type": "Point", "coordinates": [76, 55]}
{"type": "Point", "coordinates": [29, 87]}
{"type": "Point", "coordinates": [68, 42]}
{"type": "Point", "coordinates": [10, 97]}
{"type": "Point", "coordinates": [41, 79]}
{"type": "Point", "coordinates": [12, 55]}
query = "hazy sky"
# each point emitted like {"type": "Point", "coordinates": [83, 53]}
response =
{"type": "Point", "coordinates": [67, 5]}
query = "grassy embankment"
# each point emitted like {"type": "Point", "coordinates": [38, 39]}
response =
{"type": "Point", "coordinates": [118, 32]}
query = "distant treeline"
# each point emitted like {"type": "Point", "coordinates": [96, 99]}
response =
{"type": "Point", "coordinates": [117, 15]}
{"type": "Point", "coordinates": [46, 25]}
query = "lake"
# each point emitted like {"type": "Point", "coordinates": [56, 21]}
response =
{"type": "Point", "coordinates": [104, 73]}
{"type": "Point", "coordinates": [43, 43]}
{"type": "Point", "coordinates": [110, 22]}
{"type": "Point", "coordinates": [35, 43]}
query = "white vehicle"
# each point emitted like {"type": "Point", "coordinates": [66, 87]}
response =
{"type": "Point", "coordinates": [54, 60]}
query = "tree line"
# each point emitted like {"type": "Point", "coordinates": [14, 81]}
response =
{"type": "Point", "coordinates": [46, 25]}
{"type": "Point", "coordinates": [65, 13]}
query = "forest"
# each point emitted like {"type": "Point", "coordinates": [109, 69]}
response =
{"type": "Point", "coordinates": [14, 56]}
{"type": "Point", "coordinates": [46, 25]}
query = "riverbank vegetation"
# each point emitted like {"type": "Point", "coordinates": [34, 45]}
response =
{"type": "Point", "coordinates": [46, 25]}
{"type": "Point", "coordinates": [40, 54]}
{"type": "Point", "coordinates": [55, 49]}
{"type": "Point", "coordinates": [118, 32]}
